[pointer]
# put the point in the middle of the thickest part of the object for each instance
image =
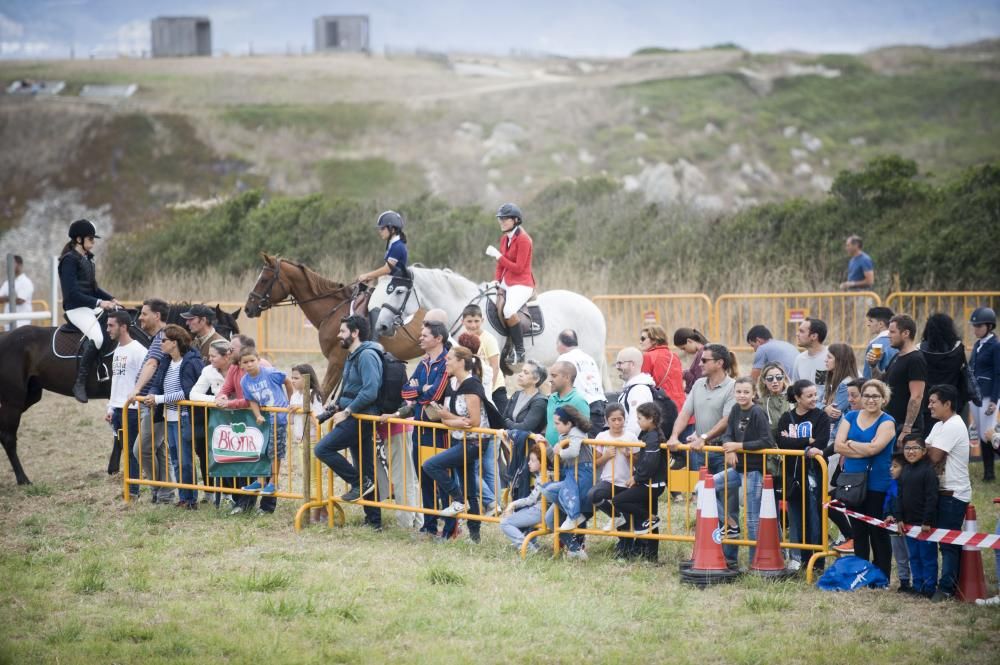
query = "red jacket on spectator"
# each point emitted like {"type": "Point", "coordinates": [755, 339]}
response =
{"type": "Point", "coordinates": [514, 264]}
{"type": "Point", "coordinates": [665, 367]}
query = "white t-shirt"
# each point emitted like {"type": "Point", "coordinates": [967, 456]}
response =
{"type": "Point", "coordinates": [25, 290]}
{"type": "Point", "coordinates": [622, 470]}
{"type": "Point", "coordinates": [588, 382]}
{"type": "Point", "coordinates": [125, 365]}
{"type": "Point", "coordinates": [812, 367]}
{"type": "Point", "coordinates": [298, 419]}
{"type": "Point", "coordinates": [952, 437]}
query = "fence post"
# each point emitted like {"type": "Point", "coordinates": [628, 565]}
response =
{"type": "Point", "coordinates": [11, 291]}
{"type": "Point", "coordinates": [306, 445]}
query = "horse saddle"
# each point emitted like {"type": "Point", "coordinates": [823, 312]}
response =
{"type": "Point", "coordinates": [66, 342]}
{"type": "Point", "coordinates": [532, 323]}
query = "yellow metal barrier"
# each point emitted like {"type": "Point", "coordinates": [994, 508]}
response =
{"type": "Point", "coordinates": [843, 313]}
{"type": "Point", "coordinates": [959, 305]}
{"type": "Point", "coordinates": [625, 315]}
{"type": "Point", "coordinates": [676, 521]}
{"type": "Point", "coordinates": [286, 330]}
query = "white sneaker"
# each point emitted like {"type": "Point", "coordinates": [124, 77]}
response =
{"type": "Point", "coordinates": [455, 508]}
{"type": "Point", "coordinates": [614, 524]}
{"type": "Point", "coordinates": [571, 523]}
{"type": "Point", "coordinates": [995, 600]}
{"type": "Point", "coordinates": [793, 565]}
{"type": "Point", "coordinates": [576, 554]}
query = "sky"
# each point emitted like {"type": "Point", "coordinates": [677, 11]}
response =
{"type": "Point", "coordinates": [587, 28]}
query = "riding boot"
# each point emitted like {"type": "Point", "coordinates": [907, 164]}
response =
{"type": "Point", "coordinates": [517, 342]}
{"type": "Point", "coordinates": [87, 357]}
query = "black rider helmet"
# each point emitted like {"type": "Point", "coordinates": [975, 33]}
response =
{"type": "Point", "coordinates": [983, 315]}
{"type": "Point", "coordinates": [390, 219]}
{"type": "Point", "coordinates": [83, 228]}
{"type": "Point", "coordinates": [510, 210]}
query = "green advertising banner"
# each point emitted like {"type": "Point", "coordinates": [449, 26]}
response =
{"type": "Point", "coordinates": [238, 446]}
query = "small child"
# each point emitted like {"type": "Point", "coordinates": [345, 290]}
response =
{"type": "Point", "coordinates": [522, 515]}
{"type": "Point", "coordinates": [297, 400]}
{"type": "Point", "coordinates": [649, 477]}
{"type": "Point", "coordinates": [576, 479]}
{"type": "Point", "coordinates": [266, 386]}
{"type": "Point", "coordinates": [891, 507]}
{"type": "Point", "coordinates": [917, 506]}
{"type": "Point", "coordinates": [613, 462]}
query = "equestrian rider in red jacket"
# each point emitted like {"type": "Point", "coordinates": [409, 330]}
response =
{"type": "Point", "coordinates": [513, 275]}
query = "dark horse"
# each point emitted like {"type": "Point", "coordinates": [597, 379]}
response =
{"type": "Point", "coordinates": [33, 359]}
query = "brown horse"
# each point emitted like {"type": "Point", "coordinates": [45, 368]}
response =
{"type": "Point", "coordinates": [325, 303]}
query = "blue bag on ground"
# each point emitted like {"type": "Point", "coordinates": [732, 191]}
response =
{"type": "Point", "coordinates": [849, 573]}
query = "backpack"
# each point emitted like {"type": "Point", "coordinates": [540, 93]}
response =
{"type": "Point", "coordinates": [668, 410]}
{"type": "Point", "coordinates": [394, 377]}
{"type": "Point", "coordinates": [849, 573]}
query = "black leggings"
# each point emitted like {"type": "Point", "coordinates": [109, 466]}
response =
{"type": "Point", "coordinates": [600, 496]}
{"type": "Point", "coordinates": [871, 539]}
{"type": "Point", "coordinates": [635, 502]}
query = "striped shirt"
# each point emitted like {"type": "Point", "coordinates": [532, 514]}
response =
{"type": "Point", "coordinates": [173, 392]}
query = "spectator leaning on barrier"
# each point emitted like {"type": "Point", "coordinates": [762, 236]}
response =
{"type": "Point", "coordinates": [173, 381]}
{"type": "Point", "coordinates": [985, 365]}
{"type": "Point", "coordinates": [588, 382]}
{"type": "Point", "coordinates": [570, 493]}
{"type": "Point", "coordinates": [766, 349]}
{"type": "Point", "coordinates": [771, 388]}
{"type": "Point", "coordinates": [209, 384]}
{"type": "Point", "coordinates": [948, 446]}
{"type": "Point", "coordinates": [200, 320]}
{"type": "Point", "coordinates": [944, 354]}
{"type": "Point", "coordinates": [918, 498]}
{"type": "Point", "coordinates": [24, 290]}
{"type": "Point", "coordinates": [527, 406]}
{"type": "Point", "coordinates": [267, 387]}
{"type": "Point", "coordinates": [877, 321]}
{"type": "Point", "coordinates": [661, 363]}
{"type": "Point", "coordinates": [636, 389]}
{"type": "Point", "coordinates": [522, 515]}
{"type": "Point", "coordinates": [562, 374]}
{"type": "Point", "coordinates": [811, 363]}
{"type": "Point", "coordinates": [841, 369]}
{"type": "Point", "coordinates": [125, 366]}
{"type": "Point", "coordinates": [612, 466]}
{"type": "Point", "coordinates": [360, 383]}
{"type": "Point", "coordinates": [485, 464]}
{"type": "Point", "coordinates": [866, 440]}
{"type": "Point", "coordinates": [805, 427]}
{"type": "Point", "coordinates": [860, 269]}
{"type": "Point", "coordinates": [906, 376]}
{"type": "Point", "coordinates": [151, 444]}
{"type": "Point", "coordinates": [231, 396]}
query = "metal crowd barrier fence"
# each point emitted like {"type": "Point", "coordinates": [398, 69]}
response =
{"type": "Point", "coordinates": [676, 520]}
{"type": "Point", "coordinates": [959, 305]}
{"type": "Point", "coordinates": [844, 314]}
{"type": "Point", "coordinates": [625, 315]}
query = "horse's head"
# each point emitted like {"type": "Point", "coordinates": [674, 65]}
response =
{"type": "Point", "coordinates": [225, 322]}
{"type": "Point", "coordinates": [397, 307]}
{"type": "Point", "coordinates": [269, 290]}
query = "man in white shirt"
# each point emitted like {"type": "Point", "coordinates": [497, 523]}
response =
{"type": "Point", "coordinates": [125, 366]}
{"type": "Point", "coordinates": [811, 363]}
{"type": "Point", "coordinates": [637, 389]}
{"type": "Point", "coordinates": [23, 291]}
{"type": "Point", "coordinates": [948, 444]}
{"type": "Point", "coordinates": [588, 383]}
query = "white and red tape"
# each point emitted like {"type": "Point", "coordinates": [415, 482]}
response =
{"type": "Point", "coordinates": [946, 536]}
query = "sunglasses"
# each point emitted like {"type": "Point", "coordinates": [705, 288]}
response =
{"type": "Point", "coordinates": [770, 378]}
{"type": "Point", "coordinates": [643, 338]}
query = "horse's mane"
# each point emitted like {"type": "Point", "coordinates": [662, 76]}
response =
{"type": "Point", "coordinates": [444, 278]}
{"type": "Point", "coordinates": [316, 282]}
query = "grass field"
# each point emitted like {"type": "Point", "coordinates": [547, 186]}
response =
{"type": "Point", "coordinates": [87, 579]}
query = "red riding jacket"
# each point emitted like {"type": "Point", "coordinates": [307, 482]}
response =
{"type": "Point", "coordinates": [514, 264]}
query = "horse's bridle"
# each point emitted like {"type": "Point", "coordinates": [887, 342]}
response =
{"type": "Point", "coordinates": [397, 312]}
{"type": "Point", "coordinates": [263, 300]}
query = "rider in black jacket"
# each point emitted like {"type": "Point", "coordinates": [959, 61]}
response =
{"type": "Point", "coordinates": [83, 299]}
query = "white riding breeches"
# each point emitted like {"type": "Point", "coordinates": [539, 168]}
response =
{"type": "Point", "coordinates": [515, 299]}
{"type": "Point", "coordinates": [85, 318]}
{"type": "Point", "coordinates": [982, 421]}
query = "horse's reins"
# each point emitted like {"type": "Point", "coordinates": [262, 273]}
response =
{"type": "Point", "coordinates": [264, 300]}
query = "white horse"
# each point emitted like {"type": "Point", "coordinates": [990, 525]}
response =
{"type": "Point", "coordinates": [435, 288]}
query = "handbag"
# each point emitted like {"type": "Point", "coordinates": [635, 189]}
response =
{"type": "Point", "coordinates": [971, 386]}
{"type": "Point", "coordinates": [852, 487]}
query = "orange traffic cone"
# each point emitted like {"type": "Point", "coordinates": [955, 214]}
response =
{"type": "Point", "coordinates": [767, 561]}
{"type": "Point", "coordinates": [687, 563]}
{"type": "Point", "coordinates": [971, 581]}
{"type": "Point", "coordinates": [709, 562]}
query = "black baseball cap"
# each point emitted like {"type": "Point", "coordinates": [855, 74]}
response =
{"type": "Point", "coordinates": [199, 310]}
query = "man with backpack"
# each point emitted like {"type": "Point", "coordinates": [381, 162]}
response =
{"type": "Point", "coordinates": [360, 388]}
{"type": "Point", "coordinates": [637, 388]}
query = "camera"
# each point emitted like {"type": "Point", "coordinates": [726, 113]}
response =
{"type": "Point", "coordinates": [326, 415]}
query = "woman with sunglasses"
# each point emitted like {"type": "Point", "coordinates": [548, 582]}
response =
{"type": "Point", "coordinates": [771, 387]}
{"type": "Point", "coordinates": [866, 439]}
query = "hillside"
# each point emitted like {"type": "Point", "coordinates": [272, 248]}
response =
{"type": "Point", "coordinates": [715, 130]}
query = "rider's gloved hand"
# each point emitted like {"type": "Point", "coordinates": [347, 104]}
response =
{"type": "Point", "coordinates": [493, 252]}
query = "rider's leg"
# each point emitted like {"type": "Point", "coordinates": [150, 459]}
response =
{"type": "Point", "coordinates": [86, 320]}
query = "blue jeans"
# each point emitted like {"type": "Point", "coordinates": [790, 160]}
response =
{"type": "Point", "coordinates": [181, 454]}
{"type": "Point", "coordinates": [923, 565]}
{"type": "Point", "coordinates": [462, 460]}
{"type": "Point", "coordinates": [813, 526]}
{"type": "Point", "coordinates": [950, 515]}
{"type": "Point", "coordinates": [732, 480]}
{"type": "Point", "coordinates": [359, 437]}
{"type": "Point", "coordinates": [488, 473]}
{"type": "Point", "coordinates": [572, 495]}
{"type": "Point", "coordinates": [717, 466]}
{"type": "Point", "coordinates": [133, 429]}
{"type": "Point", "coordinates": [435, 438]}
